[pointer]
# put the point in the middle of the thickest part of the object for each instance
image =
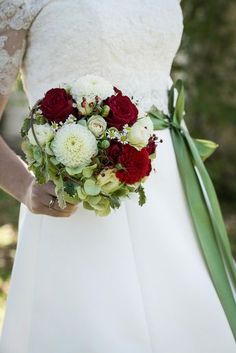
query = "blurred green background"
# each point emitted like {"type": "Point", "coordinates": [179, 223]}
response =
{"type": "Point", "coordinates": [206, 62]}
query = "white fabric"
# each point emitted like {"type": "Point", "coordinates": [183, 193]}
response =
{"type": "Point", "coordinates": [135, 281]}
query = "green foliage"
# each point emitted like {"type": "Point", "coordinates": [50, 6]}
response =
{"type": "Point", "coordinates": [142, 196]}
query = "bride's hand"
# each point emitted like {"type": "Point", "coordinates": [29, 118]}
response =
{"type": "Point", "coordinates": [38, 197]}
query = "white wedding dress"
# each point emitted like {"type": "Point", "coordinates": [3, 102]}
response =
{"type": "Point", "coordinates": [136, 280]}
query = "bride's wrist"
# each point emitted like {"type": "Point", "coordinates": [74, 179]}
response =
{"type": "Point", "coordinates": [24, 197]}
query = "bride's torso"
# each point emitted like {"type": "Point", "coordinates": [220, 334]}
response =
{"type": "Point", "coordinates": [132, 43]}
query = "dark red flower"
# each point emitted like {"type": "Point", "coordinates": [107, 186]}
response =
{"type": "Point", "coordinates": [114, 151]}
{"type": "Point", "coordinates": [151, 147]}
{"type": "Point", "coordinates": [122, 111]}
{"type": "Point", "coordinates": [57, 105]}
{"type": "Point", "coordinates": [137, 164]}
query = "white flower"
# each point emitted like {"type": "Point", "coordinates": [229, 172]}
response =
{"type": "Point", "coordinates": [54, 126]}
{"type": "Point", "coordinates": [140, 132]}
{"type": "Point", "coordinates": [97, 125]}
{"type": "Point", "coordinates": [74, 145]}
{"type": "Point", "coordinates": [146, 122]}
{"type": "Point", "coordinates": [123, 137]}
{"type": "Point", "coordinates": [70, 119]}
{"type": "Point", "coordinates": [44, 133]}
{"type": "Point", "coordinates": [90, 86]}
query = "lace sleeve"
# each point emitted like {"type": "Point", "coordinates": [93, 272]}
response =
{"type": "Point", "coordinates": [15, 19]}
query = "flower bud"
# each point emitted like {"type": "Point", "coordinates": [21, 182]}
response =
{"type": "Point", "coordinates": [105, 144]}
{"type": "Point", "coordinates": [97, 125]}
{"type": "Point", "coordinates": [105, 111]}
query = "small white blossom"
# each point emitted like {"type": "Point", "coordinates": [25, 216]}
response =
{"type": "Point", "coordinates": [123, 138]}
{"type": "Point", "coordinates": [112, 133]}
{"type": "Point", "coordinates": [54, 126]}
{"type": "Point", "coordinates": [126, 129]}
{"type": "Point", "coordinates": [70, 119]}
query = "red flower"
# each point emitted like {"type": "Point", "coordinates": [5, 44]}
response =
{"type": "Point", "coordinates": [151, 147]}
{"type": "Point", "coordinates": [114, 151]}
{"type": "Point", "coordinates": [57, 105]}
{"type": "Point", "coordinates": [137, 164]}
{"type": "Point", "coordinates": [122, 111]}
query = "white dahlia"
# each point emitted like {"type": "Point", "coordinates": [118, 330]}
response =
{"type": "Point", "coordinates": [90, 86]}
{"type": "Point", "coordinates": [44, 133]}
{"type": "Point", "coordinates": [74, 145]}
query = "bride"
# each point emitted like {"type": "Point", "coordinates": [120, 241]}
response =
{"type": "Point", "coordinates": [136, 280]}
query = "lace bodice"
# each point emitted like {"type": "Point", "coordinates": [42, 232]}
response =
{"type": "Point", "coordinates": [132, 43]}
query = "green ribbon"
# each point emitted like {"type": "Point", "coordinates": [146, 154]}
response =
{"type": "Point", "coordinates": [202, 199]}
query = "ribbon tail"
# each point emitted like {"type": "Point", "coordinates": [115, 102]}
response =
{"type": "Point", "coordinates": [213, 209]}
{"type": "Point", "coordinates": [207, 220]}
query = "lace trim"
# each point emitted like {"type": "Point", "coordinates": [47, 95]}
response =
{"type": "Point", "coordinates": [15, 15]}
{"type": "Point", "coordinates": [9, 65]}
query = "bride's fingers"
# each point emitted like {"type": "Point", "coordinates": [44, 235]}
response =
{"type": "Point", "coordinates": [69, 207]}
{"type": "Point", "coordinates": [49, 188]}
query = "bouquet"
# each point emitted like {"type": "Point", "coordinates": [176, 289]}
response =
{"type": "Point", "coordinates": [92, 141]}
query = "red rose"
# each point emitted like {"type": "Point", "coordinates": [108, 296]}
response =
{"type": "Point", "coordinates": [137, 164]}
{"type": "Point", "coordinates": [57, 105]}
{"type": "Point", "coordinates": [114, 151]}
{"type": "Point", "coordinates": [122, 111]}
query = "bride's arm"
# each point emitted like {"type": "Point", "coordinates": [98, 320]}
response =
{"type": "Point", "coordinates": [15, 178]}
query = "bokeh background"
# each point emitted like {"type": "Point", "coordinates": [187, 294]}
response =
{"type": "Point", "coordinates": [206, 62]}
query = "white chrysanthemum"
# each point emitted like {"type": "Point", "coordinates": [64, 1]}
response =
{"type": "Point", "coordinates": [44, 133]}
{"type": "Point", "coordinates": [74, 145]}
{"type": "Point", "coordinates": [90, 86]}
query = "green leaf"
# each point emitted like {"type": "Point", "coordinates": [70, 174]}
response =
{"type": "Point", "coordinates": [91, 188]}
{"type": "Point", "coordinates": [74, 200]}
{"type": "Point", "coordinates": [82, 122]}
{"type": "Point", "coordinates": [59, 190]}
{"type": "Point", "coordinates": [81, 194]}
{"type": "Point", "coordinates": [25, 127]}
{"type": "Point", "coordinates": [205, 147]}
{"type": "Point", "coordinates": [121, 192]}
{"type": "Point", "coordinates": [142, 196]}
{"type": "Point", "coordinates": [87, 206]}
{"type": "Point", "coordinates": [54, 161]}
{"type": "Point", "coordinates": [171, 100]}
{"type": "Point", "coordinates": [93, 200]}
{"type": "Point", "coordinates": [180, 103]}
{"type": "Point", "coordinates": [70, 188]}
{"type": "Point", "coordinates": [114, 201]}
{"type": "Point", "coordinates": [39, 173]}
{"type": "Point", "coordinates": [37, 153]}
{"type": "Point", "coordinates": [74, 171]}
{"type": "Point", "coordinates": [88, 171]}
{"type": "Point", "coordinates": [158, 118]}
{"type": "Point", "coordinates": [27, 148]}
